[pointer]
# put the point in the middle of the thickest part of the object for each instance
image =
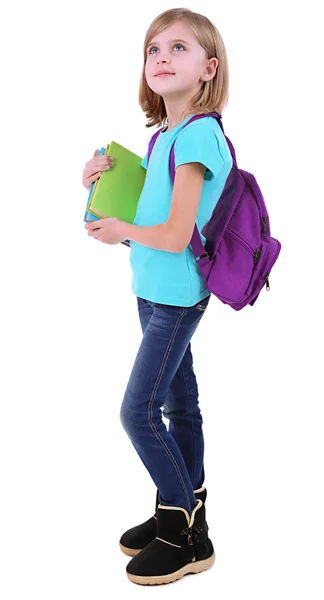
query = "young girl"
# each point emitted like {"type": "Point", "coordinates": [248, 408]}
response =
{"type": "Point", "coordinates": [185, 73]}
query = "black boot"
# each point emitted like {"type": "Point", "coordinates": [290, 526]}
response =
{"type": "Point", "coordinates": [136, 538]}
{"type": "Point", "coordinates": [181, 546]}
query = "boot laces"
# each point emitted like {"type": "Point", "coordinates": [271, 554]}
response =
{"type": "Point", "coordinates": [192, 533]}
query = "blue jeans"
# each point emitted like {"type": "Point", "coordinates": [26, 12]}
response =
{"type": "Point", "coordinates": [163, 377]}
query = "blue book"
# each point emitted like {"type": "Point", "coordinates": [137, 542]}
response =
{"type": "Point", "coordinates": [88, 216]}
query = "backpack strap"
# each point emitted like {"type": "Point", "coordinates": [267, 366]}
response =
{"type": "Point", "coordinates": [152, 142]}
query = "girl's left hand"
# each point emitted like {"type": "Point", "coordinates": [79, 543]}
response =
{"type": "Point", "coordinates": [107, 230]}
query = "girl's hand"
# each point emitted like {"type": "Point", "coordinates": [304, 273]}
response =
{"type": "Point", "coordinates": [94, 167]}
{"type": "Point", "coordinates": [109, 230]}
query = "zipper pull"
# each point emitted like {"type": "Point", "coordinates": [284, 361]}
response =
{"type": "Point", "coordinates": [265, 227]}
{"type": "Point", "coordinates": [266, 277]}
{"type": "Point", "coordinates": [256, 255]}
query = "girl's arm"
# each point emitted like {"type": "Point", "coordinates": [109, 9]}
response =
{"type": "Point", "coordinates": [154, 236]}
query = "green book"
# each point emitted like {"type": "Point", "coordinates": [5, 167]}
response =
{"type": "Point", "coordinates": [117, 191]}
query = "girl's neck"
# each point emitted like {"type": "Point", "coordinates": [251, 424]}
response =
{"type": "Point", "coordinates": [174, 123]}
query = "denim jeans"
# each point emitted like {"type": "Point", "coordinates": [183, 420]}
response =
{"type": "Point", "coordinates": [162, 378]}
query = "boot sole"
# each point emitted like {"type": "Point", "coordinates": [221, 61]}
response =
{"type": "Point", "coordinates": [194, 567]}
{"type": "Point", "coordinates": [130, 551]}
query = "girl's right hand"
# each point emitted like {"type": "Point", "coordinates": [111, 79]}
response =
{"type": "Point", "coordinates": [94, 167]}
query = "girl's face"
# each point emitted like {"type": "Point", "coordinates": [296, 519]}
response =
{"type": "Point", "coordinates": [175, 50]}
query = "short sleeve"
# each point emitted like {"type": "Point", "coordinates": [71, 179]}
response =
{"type": "Point", "coordinates": [144, 161]}
{"type": "Point", "coordinates": [198, 142]}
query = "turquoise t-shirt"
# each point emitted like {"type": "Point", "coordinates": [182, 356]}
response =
{"type": "Point", "coordinates": [168, 277]}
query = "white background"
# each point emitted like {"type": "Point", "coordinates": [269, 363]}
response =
{"type": "Point", "coordinates": [71, 481]}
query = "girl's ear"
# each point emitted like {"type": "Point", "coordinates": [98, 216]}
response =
{"type": "Point", "coordinates": [211, 69]}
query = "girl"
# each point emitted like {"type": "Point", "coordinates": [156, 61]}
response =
{"type": "Point", "coordinates": [185, 73]}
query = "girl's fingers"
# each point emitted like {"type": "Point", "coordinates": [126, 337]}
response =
{"type": "Point", "coordinates": [94, 177]}
{"type": "Point", "coordinates": [103, 160]}
{"type": "Point", "coordinates": [103, 163]}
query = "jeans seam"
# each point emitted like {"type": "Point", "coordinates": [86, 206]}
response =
{"type": "Point", "coordinates": [155, 432]}
{"type": "Point", "coordinates": [191, 423]}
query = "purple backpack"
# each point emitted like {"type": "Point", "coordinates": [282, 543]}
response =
{"type": "Point", "coordinates": [239, 252]}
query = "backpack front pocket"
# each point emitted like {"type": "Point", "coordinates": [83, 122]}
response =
{"type": "Point", "coordinates": [239, 240]}
{"type": "Point", "coordinates": [233, 267]}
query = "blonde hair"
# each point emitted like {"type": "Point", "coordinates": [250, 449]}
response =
{"type": "Point", "coordinates": [213, 95]}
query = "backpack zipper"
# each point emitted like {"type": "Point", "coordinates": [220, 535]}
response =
{"type": "Point", "coordinates": [265, 227]}
{"type": "Point", "coordinates": [266, 277]}
{"type": "Point", "coordinates": [235, 236]}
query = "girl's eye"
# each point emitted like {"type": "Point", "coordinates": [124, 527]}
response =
{"type": "Point", "coordinates": [152, 47]}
